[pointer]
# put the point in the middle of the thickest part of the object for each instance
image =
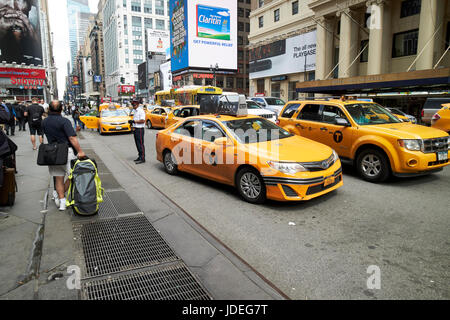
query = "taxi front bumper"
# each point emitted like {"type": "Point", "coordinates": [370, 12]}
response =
{"type": "Point", "coordinates": [417, 163]}
{"type": "Point", "coordinates": [115, 128]}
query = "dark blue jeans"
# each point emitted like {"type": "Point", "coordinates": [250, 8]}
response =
{"type": "Point", "coordinates": [139, 134]}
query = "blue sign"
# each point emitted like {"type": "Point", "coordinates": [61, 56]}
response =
{"type": "Point", "coordinates": [179, 49]}
{"type": "Point", "coordinates": [97, 79]}
{"type": "Point", "coordinates": [213, 23]}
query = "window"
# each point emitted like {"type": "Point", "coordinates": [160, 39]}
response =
{"type": "Point", "coordinates": [260, 3]}
{"type": "Point", "coordinates": [189, 128]}
{"type": "Point", "coordinates": [290, 110]}
{"type": "Point", "coordinates": [405, 43]}
{"type": "Point", "coordinates": [240, 83]}
{"type": "Point", "coordinates": [230, 82]}
{"type": "Point", "coordinates": [276, 15]}
{"type": "Point", "coordinates": [240, 26]}
{"type": "Point", "coordinates": [211, 132]}
{"type": "Point", "coordinates": [247, 27]}
{"type": "Point", "coordinates": [260, 86]}
{"type": "Point", "coordinates": [410, 8]}
{"type": "Point", "coordinates": [292, 90]}
{"type": "Point", "coordinates": [294, 7]}
{"type": "Point", "coordinates": [276, 88]}
{"type": "Point", "coordinates": [241, 12]}
{"type": "Point", "coordinates": [148, 22]}
{"type": "Point", "coordinates": [148, 6]}
{"type": "Point", "coordinates": [310, 112]}
{"type": "Point", "coordinates": [159, 7]}
{"type": "Point", "coordinates": [331, 113]}
{"type": "Point", "coordinates": [247, 13]}
{"type": "Point", "coordinates": [365, 55]}
{"type": "Point", "coordinates": [261, 22]}
{"type": "Point", "coordinates": [160, 24]}
{"type": "Point", "coordinates": [219, 82]}
{"type": "Point", "coordinates": [240, 40]}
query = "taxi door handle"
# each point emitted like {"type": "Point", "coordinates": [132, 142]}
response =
{"type": "Point", "coordinates": [300, 126]}
{"type": "Point", "coordinates": [323, 129]}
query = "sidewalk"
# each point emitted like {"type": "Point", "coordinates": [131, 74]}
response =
{"type": "Point", "coordinates": [140, 235]}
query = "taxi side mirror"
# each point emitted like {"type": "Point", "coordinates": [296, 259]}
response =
{"type": "Point", "coordinates": [164, 114]}
{"type": "Point", "coordinates": [342, 122]}
{"type": "Point", "coordinates": [224, 142]}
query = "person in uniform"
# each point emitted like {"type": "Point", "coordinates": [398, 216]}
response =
{"type": "Point", "coordinates": [138, 124]}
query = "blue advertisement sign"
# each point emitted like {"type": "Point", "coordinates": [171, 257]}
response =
{"type": "Point", "coordinates": [97, 79]}
{"type": "Point", "coordinates": [213, 23]}
{"type": "Point", "coordinates": [179, 49]}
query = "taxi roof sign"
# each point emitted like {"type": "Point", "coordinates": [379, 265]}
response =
{"type": "Point", "coordinates": [229, 104]}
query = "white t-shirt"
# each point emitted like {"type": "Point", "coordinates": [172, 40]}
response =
{"type": "Point", "coordinates": [139, 114]}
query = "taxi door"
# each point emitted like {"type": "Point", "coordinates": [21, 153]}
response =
{"type": "Point", "coordinates": [307, 121]}
{"type": "Point", "coordinates": [90, 121]}
{"type": "Point", "coordinates": [157, 118]}
{"type": "Point", "coordinates": [183, 140]}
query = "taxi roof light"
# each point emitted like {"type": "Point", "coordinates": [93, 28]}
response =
{"type": "Point", "coordinates": [229, 104]}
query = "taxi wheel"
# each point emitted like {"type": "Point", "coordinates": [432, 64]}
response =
{"type": "Point", "coordinates": [251, 186]}
{"type": "Point", "coordinates": [169, 163]}
{"type": "Point", "coordinates": [373, 165]}
{"type": "Point", "coordinates": [149, 124]}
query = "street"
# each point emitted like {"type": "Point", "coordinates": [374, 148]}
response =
{"type": "Point", "coordinates": [320, 249]}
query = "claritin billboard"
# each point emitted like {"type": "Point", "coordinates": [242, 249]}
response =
{"type": "Point", "coordinates": [203, 34]}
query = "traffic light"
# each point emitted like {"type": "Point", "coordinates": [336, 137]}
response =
{"type": "Point", "coordinates": [122, 80]}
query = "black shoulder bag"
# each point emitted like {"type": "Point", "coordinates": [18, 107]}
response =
{"type": "Point", "coordinates": [52, 154]}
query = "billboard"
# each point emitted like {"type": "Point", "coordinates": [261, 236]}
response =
{"type": "Point", "coordinates": [292, 55]}
{"type": "Point", "coordinates": [20, 32]}
{"type": "Point", "coordinates": [142, 76]}
{"type": "Point", "coordinates": [127, 89]}
{"type": "Point", "coordinates": [166, 76]}
{"type": "Point", "coordinates": [158, 40]}
{"type": "Point", "coordinates": [203, 34]}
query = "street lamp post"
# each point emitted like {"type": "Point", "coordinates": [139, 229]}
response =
{"type": "Point", "coordinates": [214, 69]}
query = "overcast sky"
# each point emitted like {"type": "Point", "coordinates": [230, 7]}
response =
{"type": "Point", "coordinates": [60, 29]}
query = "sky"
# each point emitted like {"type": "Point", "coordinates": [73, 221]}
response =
{"type": "Point", "coordinates": [60, 29]}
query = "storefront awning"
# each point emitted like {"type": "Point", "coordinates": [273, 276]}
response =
{"type": "Point", "coordinates": [423, 79]}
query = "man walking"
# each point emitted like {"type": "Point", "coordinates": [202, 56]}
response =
{"type": "Point", "coordinates": [138, 123]}
{"type": "Point", "coordinates": [34, 115]}
{"type": "Point", "coordinates": [20, 110]}
{"type": "Point", "coordinates": [58, 129]}
{"type": "Point", "coordinates": [11, 125]}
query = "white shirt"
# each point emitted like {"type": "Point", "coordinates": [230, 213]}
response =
{"type": "Point", "coordinates": [139, 114]}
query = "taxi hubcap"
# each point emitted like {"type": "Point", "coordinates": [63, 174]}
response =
{"type": "Point", "coordinates": [169, 162]}
{"type": "Point", "coordinates": [250, 185]}
{"type": "Point", "coordinates": [371, 165]}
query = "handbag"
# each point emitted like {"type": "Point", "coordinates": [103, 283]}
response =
{"type": "Point", "coordinates": [52, 154]}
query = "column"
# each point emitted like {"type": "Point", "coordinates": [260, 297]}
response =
{"type": "Point", "coordinates": [379, 38]}
{"type": "Point", "coordinates": [348, 45]}
{"type": "Point", "coordinates": [325, 48]}
{"type": "Point", "coordinates": [429, 44]}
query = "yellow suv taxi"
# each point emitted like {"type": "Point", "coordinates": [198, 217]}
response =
{"type": "Point", "coordinates": [369, 136]}
{"type": "Point", "coordinates": [441, 120]}
{"type": "Point", "coordinates": [251, 153]}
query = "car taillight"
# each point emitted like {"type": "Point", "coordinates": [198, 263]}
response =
{"type": "Point", "coordinates": [423, 113]}
{"type": "Point", "coordinates": [278, 122]}
{"type": "Point", "coordinates": [436, 117]}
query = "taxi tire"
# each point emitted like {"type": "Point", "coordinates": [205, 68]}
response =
{"type": "Point", "coordinates": [149, 124]}
{"type": "Point", "coordinates": [174, 171]}
{"type": "Point", "coordinates": [385, 168]}
{"type": "Point", "coordinates": [262, 196]}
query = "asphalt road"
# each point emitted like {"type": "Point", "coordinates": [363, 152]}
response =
{"type": "Point", "coordinates": [402, 226]}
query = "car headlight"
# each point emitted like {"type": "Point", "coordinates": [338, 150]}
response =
{"type": "Point", "coordinates": [448, 142]}
{"type": "Point", "coordinates": [335, 156]}
{"type": "Point", "coordinates": [287, 167]}
{"type": "Point", "coordinates": [409, 144]}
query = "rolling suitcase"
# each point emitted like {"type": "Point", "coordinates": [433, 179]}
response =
{"type": "Point", "coordinates": [8, 190]}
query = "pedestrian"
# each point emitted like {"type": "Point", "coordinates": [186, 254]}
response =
{"type": "Point", "coordinates": [58, 129]}
{"type": "Point", "coordinates": [4, 113]}
{"type": "Point", "coordinates": [34, 114]}
{"type": "Point", "coordinates": [20, 110]}
{"type": "Point", "coordinates": [138, 123]}
{"type": "Point", "coordinates": [11, 125]}
{"type": "Point", "coordinates": [76, 119]}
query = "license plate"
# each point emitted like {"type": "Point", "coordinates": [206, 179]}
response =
{"type": "Point", "coordinates": [328, 181]}
{"type": "Point", "coordinates": [442, 156]}
{"type": "Point", "coordinates": [118, 128]}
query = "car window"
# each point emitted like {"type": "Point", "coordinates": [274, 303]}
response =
{"type": "Point", "coordinates": [258, 99]}
{"type": "Point", "coordinates": [253, 130]}
{"type": "Point", "coordinates": [331, 113]}
{"type": "Point", "coordinates": [177, 112]}
{"type": "Point", "coordinates": [253, 105]}
{"type": "Point", "coordinates": [275, 102]}
{"type": "Point", "coordinates": [156, 111]}
{"type": "Point", "coordinates": [310, 112]}
{"type": "Point", "coordinates": [189, 129]}
{"type": "Point", "coordinates": [370, 114]}
{"type": "Point", "coordinates": [114, 113]}
{"type": "Point", "coordinates": [211, 132]}
{"type": "Point", "coordinates": [290, 110]}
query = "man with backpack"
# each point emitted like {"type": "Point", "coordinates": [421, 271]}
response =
{"type": "Point", "coordinates": [11, 124]}
{"type": "Point", "coordinates": [34, 115]}
{"type": "Point", "coordinates": [20, 112]}
{"type": "Point", "coordinates": [58, 129]}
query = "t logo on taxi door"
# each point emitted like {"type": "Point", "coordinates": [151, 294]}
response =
{"type": "Point", "coordinates": [338, 137]}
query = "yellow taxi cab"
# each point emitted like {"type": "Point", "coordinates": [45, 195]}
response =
{"type": "Point", "coordinates": [110, 105]}
{"type": "Point", "coordinates": [368, 136]}
{"type": "Point", "coordinates": [260, 159]}
{"type": "Point", "coordinates": [156, 118]}
{"type": "Point", "coordinates": [441, 120]}
{"type": "Point", "coordinates": [108, 121]}
{"type": "Point", "coordinates": [181, 113]}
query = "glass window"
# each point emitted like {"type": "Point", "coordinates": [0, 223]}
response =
{"type": "Point", "coordinates": [310, 112]}
{"type": "Point", "coordinates": [230, 82]}
{"type": "Point", "coordinates": [276, 90]}
{"type": "Point", "coordinates": [240, 26]}
{"type": "Point", "coordinates": [261, 22]}
{"type": "Point", "coordinates": [276, 15]}
{"type": "Point", "coordinates": [275, 102]}
{"type": "Point", "coordinates": [253, 130]}
{"type": "Point", "coordinates": [261, 3]}
{"type": "Point", "coordinates": [189, 128]}
{"type": "Point", "coordinates": [405, 43]}
{"type": "Point", "coordinates": [294, 7]}
{"type": "Point", "coordinates": [290, 110]}
{"type": "Point", "coordinates": [159, 7]}
{"type": "Point", "coordinates": [410, 8]}
{"type": "Point", "coordinates": [211, 132]}
{"type": "Point", "coordinates": [365, 55]}
{"type": "Point", "coordinates": [160, 24]}
{"type": "Point", "coordinates": [370, 114]}
{"type": "Point", "coordinates": [293, 90]}
{"type": "Point", "coordinates": [331, 113]}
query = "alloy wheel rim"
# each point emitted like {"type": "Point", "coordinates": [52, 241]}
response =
{"type": "Point", "coordinates": [371, 165]}
{"type": "Point", "coordinates": [250, 185]}
{"type": "Point", "coordinates": [169, 162]}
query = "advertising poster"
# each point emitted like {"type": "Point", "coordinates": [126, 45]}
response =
{"type": "Point", "coordinates": [166, 76]}
{"type": "Point", "coordinates": [20, 32]}
{"type": "Point", "coordinates": [158, 40]}
{"type": "Point", "coordinates": [292, 55]}
{"type": "Point", "coordinates": [178, 34]}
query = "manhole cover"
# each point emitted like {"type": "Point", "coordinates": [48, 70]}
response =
{"type": "Point", "coordinates": [123, 244]}
{"type": "Point", "coordinates": [169, 282]}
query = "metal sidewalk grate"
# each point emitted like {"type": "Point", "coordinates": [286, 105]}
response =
{"type": "Point", "coordinates": [170, 282]}
{"type": "Point", "coordinates": [122, 202]}
{"type": "Point", "coordinates": [106, 208]}
{"type": "Point", "coordinates": [109, 182]}
{"type": "Point", "coordinates": [111, 246]}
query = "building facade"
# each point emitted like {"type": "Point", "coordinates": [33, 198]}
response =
{"type": "Point", "coordinates": [382, 48]}
{"type": "Point", "coordinates": [78, 13]}
{"type": "Point", "coordinates": [124, 25]}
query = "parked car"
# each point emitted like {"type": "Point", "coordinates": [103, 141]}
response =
{"type": "Point", "coordinates": [255, 109]}
{"type": "Point", "coordinates": [431, 106]}
{"type": "Point", "coordinates": [403, 116]}
{"type": "Point", "coordinates": [271, 103]}
{"type": "Point", "coordinates": [441, 120]}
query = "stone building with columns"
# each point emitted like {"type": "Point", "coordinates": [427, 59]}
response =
{"type": "Point", "coordinates": [395, 51]}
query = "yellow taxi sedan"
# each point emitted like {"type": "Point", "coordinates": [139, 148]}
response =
{"type": "Point", "coordinates": [180, 113]}
{"type": "Point", "coordinates": [260, 159]}
{"type": "Point", "coordinates": [108, 121]}
{"type": "Point", "coordinates": [441, 120]}
{"type": "Point", "coordinates": [156, 118]}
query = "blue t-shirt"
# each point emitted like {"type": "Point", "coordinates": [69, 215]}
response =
{"type": "Point", "coordinates": [58, 129]}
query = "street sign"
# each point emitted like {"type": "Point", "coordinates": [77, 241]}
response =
{"type": "Point", "coordinates": [90, 73]}
{"type": "Point", "coordinates": [97, 79]}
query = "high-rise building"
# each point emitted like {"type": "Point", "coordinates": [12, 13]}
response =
{"type": "Point", "coordinates": [124, 28]}
{"type": "Point", "coordinates": [78, 13]}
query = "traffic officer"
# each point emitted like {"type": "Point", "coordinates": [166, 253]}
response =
{"type": "Point", "coordinates": [138, 123]}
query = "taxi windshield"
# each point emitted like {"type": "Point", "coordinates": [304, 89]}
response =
{"type": "Point", "coordinates": [114, 113]}
{"type": "Point", "coordinates": [253, 130]}
{"type": "Point", "coordinates": [207, 98]}
{"type": "Point", "coordinates": [370, 114]}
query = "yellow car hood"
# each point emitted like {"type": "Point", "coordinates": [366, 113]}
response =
{"type": "Point", "coordinates": [115, 119]}
{"type": "Point", "coordinates": [406, 130]}
{"type": "Point", "coordinates": [292, 149]}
